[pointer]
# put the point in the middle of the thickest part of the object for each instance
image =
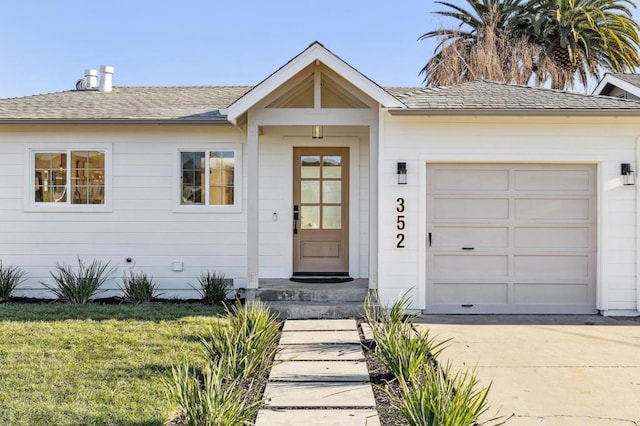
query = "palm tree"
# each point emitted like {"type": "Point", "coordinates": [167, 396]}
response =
{"type": "Point", "coordinates": [579, 38]}
{"type": "Point", "coordinates": [484, 21]}
{"type": "Point", "coordinates": [515, 40]}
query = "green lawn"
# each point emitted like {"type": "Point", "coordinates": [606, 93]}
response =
{"type": "Point", "coordinates": [93, 364]}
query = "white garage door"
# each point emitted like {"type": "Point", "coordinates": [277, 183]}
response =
{"type": "Point", "coordinates": [511, 238]}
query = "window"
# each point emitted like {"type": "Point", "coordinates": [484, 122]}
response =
{"type": "Point", "coordinates": [209, 178]}
{"type": "Point", "coordinates": [66, 177]}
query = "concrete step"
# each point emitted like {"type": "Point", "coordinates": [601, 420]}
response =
{"type": "Point", "coordinates": [314, 310]}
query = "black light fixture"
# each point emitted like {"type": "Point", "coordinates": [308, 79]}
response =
{"type": "Point", "coordinates": [317, 132]}
{"type": "Point", "coordinates": [402, 173]}
{"type": "Point", "coordinates": [628, 174]}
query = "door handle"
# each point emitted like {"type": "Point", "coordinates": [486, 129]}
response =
{"type": "Point", "coordinates": [296, 216]}
{"type": "Point", "coordinates": [429, 239]}
{"type": "Point", "coordinates": [468, 248]}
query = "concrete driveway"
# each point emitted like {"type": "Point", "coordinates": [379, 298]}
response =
{"type": "Point", "coordinates": [549, 370]}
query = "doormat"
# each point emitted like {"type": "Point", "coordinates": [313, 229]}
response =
{"type": "Point", "coordinates": [319, 279]}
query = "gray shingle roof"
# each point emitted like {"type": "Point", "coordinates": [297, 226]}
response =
{"type": "Point", "coordinates": [629, 78]}
{"type": "Point", "coordinates": [491, 96]}
{"type": "Point", "coordinates": [125, 103]}
{"type": "Point", "coordinates": [204, 102]}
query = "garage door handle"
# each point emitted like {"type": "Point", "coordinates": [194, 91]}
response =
{"type": "Point", "coordinates": [468, 248]}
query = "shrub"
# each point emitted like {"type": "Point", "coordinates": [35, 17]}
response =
{"type": "Point", "coordinates": [211, 399]}
{"type": "Point", "coordinates": [10, 277]}
{"type": "Point", "coordinates": [404, 350]}
{"type": "Point", "coordinates": [79, 286]}
{"type": "Point", "coordinates": [213, 287]}
{"type": "Point", "coordinates": [139, 287]}
{"type": "Point", "coordinates": [442, 397]}
{"type": "Point", "coordinates": [246, 343]}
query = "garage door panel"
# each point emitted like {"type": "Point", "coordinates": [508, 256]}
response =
{"type": "Point", "coordinates": [552, 180]}
{"type": "Point", "coordinates": [558, 292]}
{"type": "Point", "coordinates": [530, 234]}
{"type": "Point", "coordinates": [471, 180]}
{"type": "Point", "coordinates": [551, 238]}
{"type": "Point", "coordinates": [552, 209]}
{"type": "Point", "coordinates": [456, 237]}
{"type": "Point", "coordinates": [470, 294]}
{"type": "Point", "coordinates": [471, 208]}
{"type": "Point", "coordinates": [470, 265]}
{"type": "Point", "coordinates": [551, 265]}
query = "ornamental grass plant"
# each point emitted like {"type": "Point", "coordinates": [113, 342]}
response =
{"type": "Point", "coordinates": [138, 287]}
{"type": "Point", "coordinates": [443, 397]}
{"type": "Point", "coordinates": [10, 277]}
{"type": "Point", "coordinates": [239, 353]}
{"type": "Point", "coordinates": [213, 287]}
{"type": "Point", "coordinates": [79, 285]}
{"type": "Point", "coordinates": [246, 343]}
{"type": "Point", "coordinates": [210, 398]}
{"type": "Point", "coordinates": [428, 394]}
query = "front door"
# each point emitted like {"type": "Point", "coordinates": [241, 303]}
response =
{"type": "Point", "coordinates": [321, 210]}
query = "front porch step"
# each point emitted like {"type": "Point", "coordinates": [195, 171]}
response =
{"type": "Point", "coordinates": [332, 293]}
{"type": "Point", "coordinates": [314, 310]}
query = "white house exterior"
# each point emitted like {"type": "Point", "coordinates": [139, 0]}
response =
{"type": "Point", "coordinates": [514, 200]}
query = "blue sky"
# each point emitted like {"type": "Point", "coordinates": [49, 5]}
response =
{"type": "Point", "coordinates": [46, 44]}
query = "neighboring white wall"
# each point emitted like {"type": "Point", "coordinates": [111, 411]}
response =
{"type": "Point", "coordinates": [143, 224]}
{"type": "Point", "coordinates": [417, 140]}
{"type": "Point", "coordinates": [276, 196]}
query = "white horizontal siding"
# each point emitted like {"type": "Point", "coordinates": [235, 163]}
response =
{"type": "Point", "coordinates": [416, 140]}
{"type": "Point", "coordinates": [143, 225]}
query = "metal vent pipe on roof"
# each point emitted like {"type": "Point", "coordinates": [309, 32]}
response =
{"type": "Point", "coordinates": [106, 78]}
{"type": "Point", "coordinates": [91, 79]}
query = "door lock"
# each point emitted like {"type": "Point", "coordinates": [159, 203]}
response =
{"type": "Point", "coordinates": [296, 217]}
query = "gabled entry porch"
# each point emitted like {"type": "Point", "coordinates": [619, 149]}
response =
{"type": "Point", "coordinates": [312, 203]}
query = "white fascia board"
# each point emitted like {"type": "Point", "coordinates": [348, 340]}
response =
{"type": "Point", "coordinates": [614, 81]}
{"type": "Point", "coordinates": [315, 52]}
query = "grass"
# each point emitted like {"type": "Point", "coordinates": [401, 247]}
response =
{"type": "Point", "coordinates": [68, 364]}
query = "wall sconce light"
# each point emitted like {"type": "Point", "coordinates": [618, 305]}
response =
{"type": "Point", "coordinates": [317, 132]}
{"type": "Point", "coordinates": [402, 173]}
{"type": "Point", "coordinates": [628, 175]}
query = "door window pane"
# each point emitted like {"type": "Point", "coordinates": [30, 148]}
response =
{"type": "Point", "coordinates": [331, 217]}
{"type": "Point", "coordinates": [310, 217]}
{"type": "Point", "coordinates": [310, 191]}
{"type": "Point", "coordinates": [331, 191]}
{"type": "Point", "coordinates": [331, 167]}
{"type": "Point", "coordinates": [310, 166]}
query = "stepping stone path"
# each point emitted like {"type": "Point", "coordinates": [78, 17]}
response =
{"type": "Point", "coordinates": [320, 377]}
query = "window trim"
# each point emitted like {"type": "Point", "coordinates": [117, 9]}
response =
{"type": "Point", "coordinates": [30, 204]}
{"type": "Point", "coordinates": [236, 207]}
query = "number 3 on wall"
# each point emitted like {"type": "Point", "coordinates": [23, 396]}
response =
{"type": "Point", "coordinates": [400, 222]}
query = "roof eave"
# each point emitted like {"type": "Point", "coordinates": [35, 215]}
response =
{"type": "Point", "coordinates": [612, 80]}
{"type": "Point", "coordinates": [441, 112]}
{"type": "Point", "coordinates": [119, 121]}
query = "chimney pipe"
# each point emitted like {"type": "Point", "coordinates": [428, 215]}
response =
{"type": "Point", "coordinates": [106, 80]}
{"type": "Point", "coordinates": [91, 79]}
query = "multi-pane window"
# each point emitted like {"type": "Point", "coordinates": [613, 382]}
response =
{"type": "Point", "coordinates": [69, 177]}
{"type": "Point", "coordinates": [208, 178]}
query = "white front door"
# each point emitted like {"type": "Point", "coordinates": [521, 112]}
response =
{"type": "Point", "coordinates": [511, 238]}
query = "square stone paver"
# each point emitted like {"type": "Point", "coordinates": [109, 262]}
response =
{"type": "Point", "coordinates": [366, 331]}
{"type": "Point", "coordinates": [367, 417]}
{"type": "Point", "coordinates": [320, 325]}
{"type": "Point", "coordinates": [319, 394]}
{"type": "Point", "coordinates": [307, 337]}
{"type": "Point", "coordinates": [320, 371]}
{"type": "Point", "coordinates": [321, 352]}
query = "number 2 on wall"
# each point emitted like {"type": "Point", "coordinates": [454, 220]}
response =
{"type": "Point", "coordinates": [400, 222]}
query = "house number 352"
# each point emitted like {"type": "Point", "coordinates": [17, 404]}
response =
{"type": "Point", "coordinates": [400, 222]}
